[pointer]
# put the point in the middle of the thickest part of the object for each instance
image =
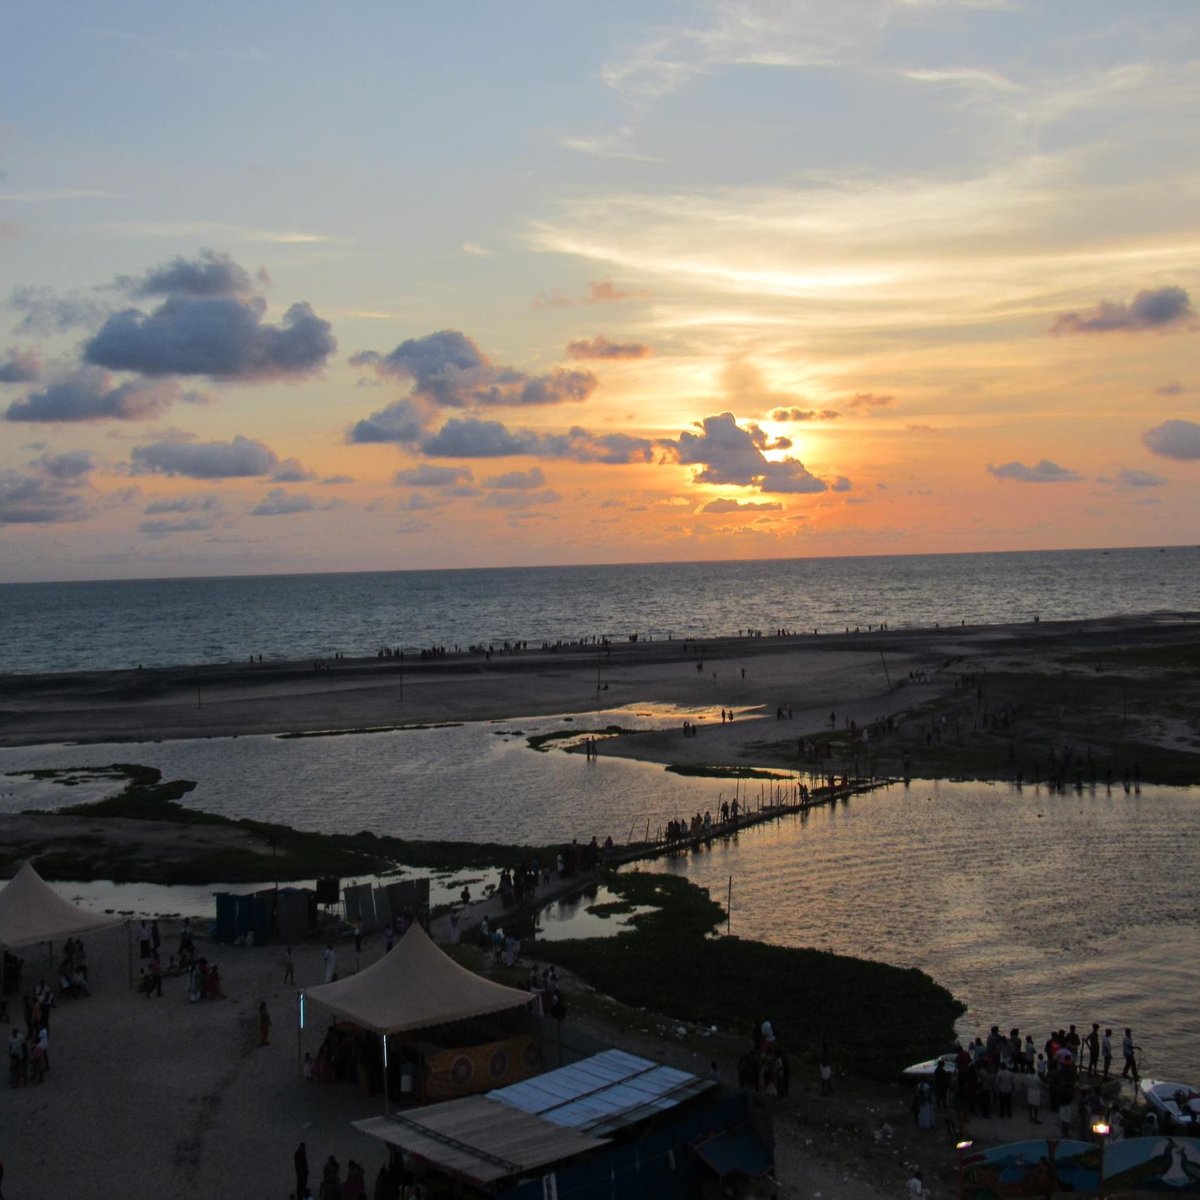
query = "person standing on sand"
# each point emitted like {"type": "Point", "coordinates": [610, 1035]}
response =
{"type": "Point", "coordinates": [1106, 1051]}
{"type": "Point", "coordinates": [1033, 1098]}
{"type": "Point", "coordinates": [143, 937]}
{"type": "Point", "coordinates": [289, 967]}
{"type": "Point", "coordinates": [264, 1024]}
{"type": "Point", "coordinates": [1092, 1042]}
{"type": "Point", "coordinates": [300, 1162]}
{"type": "Point", "coordinates": [1128, 1048]}
{"type": "Point", "coordinates": [330, 963]}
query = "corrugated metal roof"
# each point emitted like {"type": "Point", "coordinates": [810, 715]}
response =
{"type": "Point", "coordinates": [549, 1118]}
{"type": "Point", "coordinates": [478, 1139]}
{"type": "Point", "coordinates": [603, 1093]}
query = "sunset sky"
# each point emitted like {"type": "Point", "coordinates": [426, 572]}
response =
{"type": "Point", "coordinates": [301, 287]}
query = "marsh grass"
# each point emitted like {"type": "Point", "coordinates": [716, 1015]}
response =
{"type": "Point", "coordinates": [873, 1019]}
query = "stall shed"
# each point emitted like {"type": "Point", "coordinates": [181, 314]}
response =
{"type": "Point", "coordinates": [374, 907]}
{"type": "Point", "coordinates": [273, 914]}
{"type": "Point", "coordinates": [295, 914]}
{"type": "Point", "coordinates": [610, 1124]}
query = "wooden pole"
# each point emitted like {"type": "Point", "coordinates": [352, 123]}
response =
{"type": "Point", "coordinates": [886, 674]}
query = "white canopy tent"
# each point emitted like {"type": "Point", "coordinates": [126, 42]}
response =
{"type": "Point", "coordinates": [31, 911]}
{"type": "Point", "coordinates": [414, 986]}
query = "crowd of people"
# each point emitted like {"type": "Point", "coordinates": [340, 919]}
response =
{"type": "Point", "coordinates": [390, 1183]}
{"type": "Point", "coordinates": [29, 1049]}
{"type": "Point", "coordinates": [1064, 1078]}
{"type": "Point", "coordinates": [765, 1067]}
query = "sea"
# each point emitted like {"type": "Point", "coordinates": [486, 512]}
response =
{"type": "Point", "coordinates": [1037, 909]}
{"type": "Point", "coordinates": [115, 625]}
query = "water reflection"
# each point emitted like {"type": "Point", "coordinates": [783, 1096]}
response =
{"type": "Point", "coordinates": [1037, 909]}
{"type": "Point", "coordinates": [570, 918]}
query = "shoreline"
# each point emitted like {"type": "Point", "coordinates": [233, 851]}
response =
{"type": "Point", "coordinates": [1065, 706]}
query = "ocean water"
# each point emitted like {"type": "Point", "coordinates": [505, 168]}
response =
{"type": "Point", "coordinates": [1035, 909]}
{"type": "Point", "coordinates": [117, 625]}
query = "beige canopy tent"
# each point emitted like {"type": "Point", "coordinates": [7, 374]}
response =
{"type": "Point", "coordinates": [414, 986]}
{"type": "Point", "coordinates": [31, 911]}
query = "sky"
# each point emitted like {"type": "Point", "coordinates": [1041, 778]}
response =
{"type": "Point", "coordinates": [300, 287]}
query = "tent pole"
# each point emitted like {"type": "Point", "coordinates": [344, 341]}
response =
{"type": "Point", "coordinates": [299, 1033]}
{"type": "Point", "coordinates": [386, 1104]}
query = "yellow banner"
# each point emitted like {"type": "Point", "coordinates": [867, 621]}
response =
{"type": "Point", "coordinates": [472, 1069]}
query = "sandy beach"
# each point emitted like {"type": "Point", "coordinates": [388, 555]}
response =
{"type": "Point", "coordinates": [859, 673]}
{"type": "Point", "coordinates": [158, 1097]}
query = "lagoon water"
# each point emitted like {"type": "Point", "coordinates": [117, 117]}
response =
{"type": "Point", "coordinates": [118, 624]}
{"type": "Point", "coordinates": [1035, 909]}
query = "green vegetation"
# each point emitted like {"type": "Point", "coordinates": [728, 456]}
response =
{"type": "Point", "coordinates": [323, 733]}
{"type": "Point", "coordinates": [710, 771]}
{"type": "Point", "coordinates": [611, 908]}
{"type": "Point", "coordinates": [1181, 657]}
{"type": "Point", "coordinates": [543, 741]}
{"type": "Point", "coordinates": [286, 853]}
{"type": "Point", "coordinates": [876, 1018]}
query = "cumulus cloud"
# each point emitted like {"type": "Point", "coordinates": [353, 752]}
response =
{"type": "Point", "coordinates": [1128, 477]}
{"type": "Point", "coordinates": [401, 421]}
{"type": "Point", "coordinates": [208, 274]}
{"type": "Point", "coordinates": [1151, 308]}
{"type": "Point", "coordinates": [46, 313]}
{"type": "Point", "coordinates": [278, 503]}
{"type": "Point", "coordinates": [183, 504]}
{"type": "Point", "coordinates": [415, 503]}
{"type": "Point", "coordinates": [1044, 471]}
{"type": "Point", "coordinates": [732, 506]}
{"type": "Point", "coordinates": [727, 454]}
{"type": "Point", "coordinates": [871, 400]}
{"type": "Point", "coordinates": [240, 458]}
{"type": "Point", "coordinates": [610, 449]}
{"type": "Point", "coordinates": [448, 370]}
{"type": "Point", "coordinates": [224, 337]}
{"type": "Point", "coordinates": [49, 491]}
{"type": "Point", "coordinates": [512, 500]}
{"type": "Point", "coordinates": [19, 366]}
{"type": "Point", "coordinates": [161, 528]}
{"type": "Point", "coordinates": [70, 466]}
{"type": "Point", "coordinates": [601, 347]}
{"type": "Point", "coordinates": [291, 470]}
{"type": "Point", "coordinates": [430, 476]}
{"type": "Point", "coordinates": [533, 478]}
{"type": "Point", "coordinates": [1173, 439]}
{"type": "Point", "coordinates": [763, 440]}
{"type": "Point", "coordinates": [804, 414]}
{"type": "Point", "coordinates": [472, 437]}
{"type": "Point", "coordinates": [90, 394]}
